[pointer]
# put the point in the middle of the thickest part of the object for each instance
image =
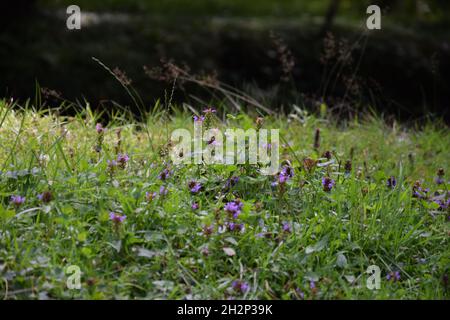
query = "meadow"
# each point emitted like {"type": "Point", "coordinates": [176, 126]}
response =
{"type": "Point", "coordinates": [103, 195]}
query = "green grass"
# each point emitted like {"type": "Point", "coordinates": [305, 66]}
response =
{"type": "Point", "coordinates": [158, 251]}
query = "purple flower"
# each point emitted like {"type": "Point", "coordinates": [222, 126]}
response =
{"type": "Point", "coordinates": [164, 174]}
{"type": "Point", "coordinates": [123, 159]}
{"type": "Point", "coordinates": [117, 218]}
{"type": "Point", "coordinates": [235, 226]}
{"type": "Point", "coordinates": [300, 293]}
{"type": "Point", "coordinates": [231, 182]}
{"type": "Point", "coordinates": [208, 230]}
{"type": "Point", "coordinates": [312, 285]}
{"type": "Point", "coordinates": [199, 119]}
{"type": "Point", "coordinates": [194, 186]}
{"type": "Point", "coordinates": [17, 200]}
{"type": "Point", "coordinates": [99, 128]}
{"type": "Point", "coordinates": [240, 286]}
{"type": "Point", "coordinates": [45, 197]}
{"type": "Point", "coordinates": [440, 176]}
{"type": "Point", "coordinates": [112, 164]}
{"type": "Point", "coordinates": [391, 182]}
{"type": "Point", "coordinates": [209, 111]}
{"type": "Point", "coordinates": [234, 208]}
{"type": "Point", "coordinates": [163, 191]}
{"type": "Point", "coordinates": [286, 227]}
{"type": "Point", "coordinates": [150, 196]}
{"type": "Point", "coordinates": [393, 276]}
{"type": "Point", "coordinates": [195, 206]}
{"type": "Point", "coordinates": [327, 184]}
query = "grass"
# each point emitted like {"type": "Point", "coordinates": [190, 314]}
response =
{"type": "Point", "coordinates": [299, 241]}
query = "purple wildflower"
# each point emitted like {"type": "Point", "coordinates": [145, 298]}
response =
{"type": "Point", "coordinates": [393, 276]}
{"type": "Point", "coordinates": [163, 191]}
{"type": "Point", "coordinates": [391, 182]}
{"type": "Point", "coordinates": [231, 182]}
{"type": "Point", "coordinates": [194, 186]}
{"type": "Point", "coordinates": [195, 206]}
{"type": "Point", "coordinates": [117, 218]}
{"type": "Point", "coordinates": [99, 128]}
{"type": "Point", "coordinates": [300, 293]}
{"type": "Point", "coordinates": [150, 196]}
{"type": "Point", "coordinates": [312, 285]}
{"type": "Point", "coordinates": [235, 226]}
{"type": "Point", "coordinates": [209, 111]}
{"type": "Point", "coordinates": [327, 184]}
{"type": "Point", "coordinates": [164, 174]}
{"type": "Point", "coordinates": [199, 119]}
{"type": "Point", "coordinates": [45, 197]}
{"type": "Point", "coordinates": [112, 164]}
{"type": "Point", "coordinates": [240, 286]}
{"type": "Point", "coordinates": [440, 176]}
{"type": "Point", "coordinates": [122, 159]}
{"type": "Point", "coordinates": [234, 208]}
{"type": "Point", "coordinates": [17, 200]}
{"type": "Point", "coordinates": [286, 227]}
{"type": "Point", "coordinates": [208, 230]}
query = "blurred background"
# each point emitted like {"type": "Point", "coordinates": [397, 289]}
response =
{"type": "Point", "coordinates": [278, 52]}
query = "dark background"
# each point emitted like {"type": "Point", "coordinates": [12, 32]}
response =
{"type": "Point", "coordinates": [279, 52]}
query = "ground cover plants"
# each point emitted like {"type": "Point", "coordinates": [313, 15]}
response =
{"type": "Point", "coordinates": [103, 195]}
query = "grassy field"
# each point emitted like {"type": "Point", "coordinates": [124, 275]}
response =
{"type": "Point", "coordinates": [106, 199]}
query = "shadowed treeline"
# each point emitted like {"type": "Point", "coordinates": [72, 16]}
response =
{"type": "Point", "coordinates": [295, 52]}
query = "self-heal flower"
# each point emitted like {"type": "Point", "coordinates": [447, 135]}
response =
{"type": "Point", "coordinates": [163, 191]}
{"type": "Point", "coordinates": [327, 184]}
{"type": "Point", "coordinates": [45, 197]}
{"type": "Point", "coordinates": [117, 218]}
{"type": "Point", "coordinates": [199, 119]}
{"type": "Point", "coordinates": [99, 128]}
{"type": "Point", "coordinates": [393, 276]}
{"type": "Point", "coordinates": [234, 208]}
{"type": "Point", "coordinates": [236, 226]}
{"type": "Point", "coordinates": [112, 164]}
{"type": "Point", "coordinates": [195, 206]}
{"type": "Point", "coordinates": [440, 176]}
{"type": "Point", "coordinates": [194, 186]}
{"type": "Point", "coordinates": [17, 200]}
{"type": "Point", "coordinates": [286, 227]}
{"type": "Point", "coordinates": [391, 182]}
{"type": "Point", "coordinates": [240, 286]}
{"type": "Point", "coordinates": [150, 196]}
{"type": "Point", "coordinates": [164, 174]}
{"type": "Point", "coordinates": [209, 111]}
{"type": "Point", "coordinates": [122, 159]}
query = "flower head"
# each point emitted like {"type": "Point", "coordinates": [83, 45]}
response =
{"type": "Point", "coordinates": [234, 208]}
{"type": "Point", "coordinates": [199, 119]}
{"type": "Point", "coordinates": [240, 286]}
{"type": "Point", "coordinates": [150, 196]}
{"type": "Point", "coordinates": [117, 218]}
{"type": "Point", "coordinates": [195, 206]}
{"type": "Point", "coordinates": [286, 227]}
{"type": "Point", "coordinates": [393, 276]}
{"type": "Point", "coordinates": [112, 164]}
{"type": "Point", "coordinates": [122, 159]}
{"type": "Point", "coordinates": [327, 184]}
{"type": "Point", "coordinates": [17, 200]}
{"type": "Point", "coordinates": [440, 176]}
{"type": "Point", "coordinates": [163, 191]}
{"type": "Point", "coordinates": [164, 174]}
{"type": "Point", "coordinates": [391, 182]}
{"type": "Point", "coordinates": [209, 111]}
{"type": "Point", "coordinates": [99, 128]}
{"type": "Point", "coordinates": [45, 197]}
{"type": "Point", "coordinates": [194, 186]}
